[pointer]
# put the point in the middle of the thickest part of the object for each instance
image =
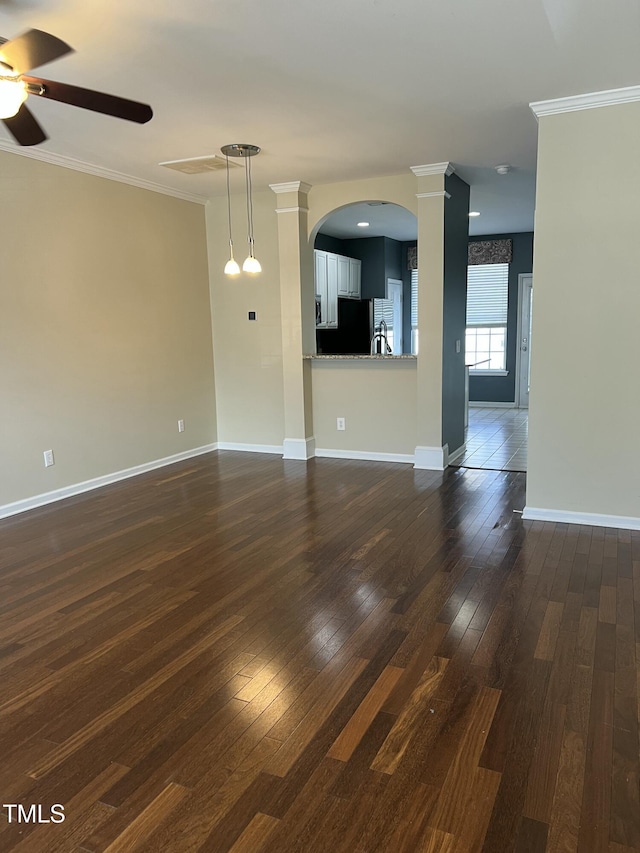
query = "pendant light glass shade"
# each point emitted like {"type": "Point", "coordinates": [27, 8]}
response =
{"type": "Point", "coordinates": [251, 264]}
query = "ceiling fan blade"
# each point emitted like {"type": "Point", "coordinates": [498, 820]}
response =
{"type": "Point", "coordinates": [99, 102]}
{"type": "Point", "coordinates": [32, 49]}
{"type": "Point", "coordinates": [24, 128]}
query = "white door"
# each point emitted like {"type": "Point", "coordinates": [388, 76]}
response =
{"type": "Point", "coordinates": [525, 301]}
{"type": "Point", "coordinates": [394, 293]}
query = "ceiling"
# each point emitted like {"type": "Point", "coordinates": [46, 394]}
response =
{"type": "Point", "coordinates": [385, 220]}
{"type": "Point", "coordinates": [331, 91]}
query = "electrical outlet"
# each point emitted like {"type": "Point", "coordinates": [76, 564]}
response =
{"type": "Point", "coordinates": [180, 425]}
{"type": "Point", "coordinates": [458, 346]}
{"type": "Point", "coordinates": [340, 424]}
{"type": "Point", "coordinates": [48, 458]}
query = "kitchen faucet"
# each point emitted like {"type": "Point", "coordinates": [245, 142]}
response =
{"type": "Point", "coordinates": [379, 340]}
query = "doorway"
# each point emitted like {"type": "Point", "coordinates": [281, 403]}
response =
{"type": "Point", "coordinates": [523, 370]}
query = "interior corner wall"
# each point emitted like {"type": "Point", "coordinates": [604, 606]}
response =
{"type": "Point", "coordinates": [502, 389]}
{"type": "Point", "coordinates": [584, 403]}
{"type": "Point", "coordinates": [105, 337]}
{"type": "Point", "coordinates": [248, 353]}
{"type": "Point", "coordinates": [454, 310]}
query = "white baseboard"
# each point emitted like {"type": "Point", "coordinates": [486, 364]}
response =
{"type": "Point", "coordinates": [487, 404]}
{"type": "Point", "coordinates": [451, 457]}
{"type": "Point", "coordinates": [431, 458]}
{"type": "Point", "coordinates": [299, 448]}
{"type": "Point", "coordinates": [365, 455]}
{"type": "Point", "coordinates": [250, 448]}
{"type": "Point", "coordinates": [96, 483]}
{"type": "Point", "coordinates": [625, 522]}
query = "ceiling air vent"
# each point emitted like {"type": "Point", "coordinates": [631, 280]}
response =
{"type": "Point", "coordinates": [198, 165]}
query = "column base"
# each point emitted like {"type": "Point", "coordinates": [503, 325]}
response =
{"type": "Point", "coordinates": [431, 458]}
{"type": "Point", "coordinates": [299, 448]}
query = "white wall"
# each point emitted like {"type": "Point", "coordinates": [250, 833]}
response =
{"type": "Point", "coordinates": [585, 387]}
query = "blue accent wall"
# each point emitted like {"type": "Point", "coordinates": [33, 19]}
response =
{"type": "Point", "coordinates": [502, 389]}
{"type": "Point", "coordinates": [325, 243]}
{"type": "Point", "coordinates": [454, 310]}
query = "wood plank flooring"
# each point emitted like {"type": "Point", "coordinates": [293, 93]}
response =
{"type": "Point", "coordinates": [244, 654]}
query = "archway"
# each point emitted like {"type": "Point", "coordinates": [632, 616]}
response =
{"type": "Point", "coordinates": [362, 276]}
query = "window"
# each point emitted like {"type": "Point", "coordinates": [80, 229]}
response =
{"type": "Point", "coordinates": [414, 312]}
{"type": "Point", "coordinates": [383, 310]}
{"type": "Point", "coordinates": [487, 301]}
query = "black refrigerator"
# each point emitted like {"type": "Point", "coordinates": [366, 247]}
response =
{"type": "Point", "coordinates": [353, 335]}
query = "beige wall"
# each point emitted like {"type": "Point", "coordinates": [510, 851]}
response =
{"type": "Point", "coordinates": [399, 189]}
{"type": "Point", "coordinates": [585, 402]}
{"type": "Point", "coordinates": [248, 354]}
{"type": "Point", "coordinates": [377, 399]}
{"type": "Point", "coordinates": [105, 339]}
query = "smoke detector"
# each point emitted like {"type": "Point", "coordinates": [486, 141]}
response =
{"type": "Point", "coordinates": [503, 169]}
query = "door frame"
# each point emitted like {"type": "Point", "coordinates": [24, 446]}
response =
{"type": "Point", "coordinates": [397, 284]}
{"type": "Point", "coordinates": [521, 285]}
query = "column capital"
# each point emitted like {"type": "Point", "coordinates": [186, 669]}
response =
{"type": "Point", "coordinates": [290, 187]}
{"type": "Point", "coordinates": [433, 169]}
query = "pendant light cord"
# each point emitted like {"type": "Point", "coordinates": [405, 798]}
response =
{"type": "Point", "coordinates": [229, 205]}
{"type": "Point", "coordinates": [247, 169]}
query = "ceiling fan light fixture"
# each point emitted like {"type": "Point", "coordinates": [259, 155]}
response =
{"type": "Point", "coordinates": [13, 94]}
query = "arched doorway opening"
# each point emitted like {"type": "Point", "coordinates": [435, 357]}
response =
{"type": "Point", "coordinates": [366, 294]}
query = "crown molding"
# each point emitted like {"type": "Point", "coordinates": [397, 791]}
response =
{"type": "Point", "coordinates": [98, 171]}
{"type": "Point", "coordinates": [291, 187]}
{"type": "Point", "coordinates": [589, 101]}
{"type": "Point", "coordinates": [431, 195]}
{"type": "Point", "coordinates": [292, 210]}
{"type": "Point", "coordinates": [433, 169]}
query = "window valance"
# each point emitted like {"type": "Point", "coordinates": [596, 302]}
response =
{"type": "Point", "coordinates": [490, 252]}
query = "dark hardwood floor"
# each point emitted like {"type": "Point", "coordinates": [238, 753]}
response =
{"type": "Point", "coordinates": [243, 654]}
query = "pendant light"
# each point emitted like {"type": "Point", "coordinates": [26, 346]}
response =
{"type": "Point", "coordinates": [231, 267]}
{"type": "Point", "coordinates": [251, 263]}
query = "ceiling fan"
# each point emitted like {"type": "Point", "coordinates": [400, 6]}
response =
{"type": "Point", "coordinates": [35, 48]}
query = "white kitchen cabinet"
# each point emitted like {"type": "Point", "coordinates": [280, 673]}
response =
{"type": "Point", "coordinates": [355, 272]}
{"type": "Point", "coordinates": [344, 275]}
{"type": "Point", "coordinates": [321, 288]}
{"type": "Point", "coordinates": [332, 291]}
{"type": "Point", "coordinates": [335, 276]}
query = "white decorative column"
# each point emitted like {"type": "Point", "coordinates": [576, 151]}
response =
{"type": "Point", "coordinates": [297, 301]}
{"type": "Point", "coordinates": [430, 453]}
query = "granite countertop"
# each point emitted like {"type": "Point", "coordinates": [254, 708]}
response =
{"type": "Point", "coordinates": [378, 357]}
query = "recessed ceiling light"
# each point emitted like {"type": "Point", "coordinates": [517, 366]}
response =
{"type": "Point", "coordinates": [474, 213]}
{"type": "Point", "coordinates": [363, 224]}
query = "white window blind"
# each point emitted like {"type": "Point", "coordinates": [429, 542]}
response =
{"type": "Point", "coordinates": [383, 310]}
{"type": "Point", "coordinates": [487, 294]}
{"type": "Point", "coordinates": [414, 299]}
